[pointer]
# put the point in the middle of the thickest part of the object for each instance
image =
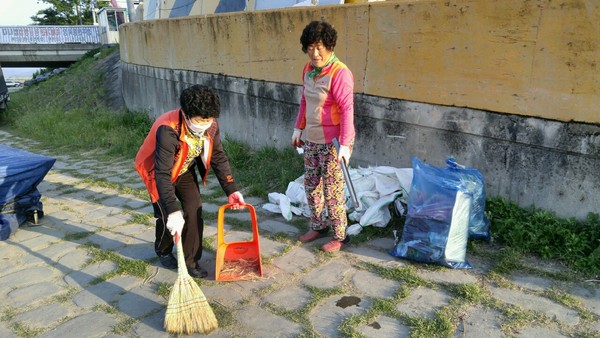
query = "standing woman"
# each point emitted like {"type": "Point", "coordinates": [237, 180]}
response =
{"type": "Point", "coordinates": [326, 112]}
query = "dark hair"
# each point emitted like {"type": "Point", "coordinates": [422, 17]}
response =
{"type": "Point", "coordinates": [199, 100]}
{"type": "Point", "coordinates": [318, 31]}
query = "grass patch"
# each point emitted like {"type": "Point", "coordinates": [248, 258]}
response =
{"type": "Point", "coordinates": [145, 219]}
{"type": "Point", "coordinates": [8, 313]}
{"type": "Point", "coordinates": [24, 331]}
{"type": "Point", "coordinates": [225, 317]}
{"type": "Point", "coordinates": [163, 289]}
{"type": "Point", "coordinates": [471, 293]}
{"type": "Point", "coordinates": [68, 111]}
{"type": "Point", "coordinates": [136, 268]}
{"type": "Point", "coordinates": [263, 170]}
{"type": "Point", "coordinates": [124, 326]}
{"type": "Point", "coordinates": [406, 274]}
{"type": "Point", "coordinates": [75, 236]}
{"type": "Point", "coordinates": [569, 301]}
{"type": "Point", "coordinates": [540, 232]}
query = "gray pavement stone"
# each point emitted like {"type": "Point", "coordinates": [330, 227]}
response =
{"type": "Point", "coordinates": [210, 207]}
{"type": "Point", "coordinates": [384, 326]}
{"type": "Point", "coordinates": [151, 326]}
{"type": "Point", "coordinates": [269, 247]}
{"type": "Point", "coordinates": [9, 266]}
{"type": "Point", "coordinates": [43, 316]}
{"type": "Point", "coordinates": [82, 278]}
{"type": "Point", "coordinates": [147, 236]}
{"type": "Point", "coordinates": [104, 293]}
{"type": "Point", "coordinates": [446, 275]}
{"type": "Point", "coordinates": [265, 324]}
{"type": "Point", "coordinates": [590, 297]}
{"type": "Point", "coordinates": [158, 274]}
{"type": "Point", "coordinates": [107, 240]}
{"type": "Point", "coordinates": [32, 294]}
{"type": "Point", "coordinates": [107, 218]}
{"type": "Point", "coordinates": [141, 250]}
{"type": "Point", "coordinates": [386, 244]}
{"type": "Point", "coordinates": [5, 332]}
{"type": "Point", "coordinates": [227, 294]}
{"type": "Point", "coordinates": [73, 225]}
{"type": "Point", "coordinates": [537, 332]}
{"type": "Point", "coordinates": [328, 276]}
{"type": "Point", "coordinates": [23, 234]}
{"type": "Point", "coordinates": [140, 301]}
{"type": "Point", "coordinates": [480, 321]}
{"type": "Point", "coordinates": [94, 324]}
{"type": "Point", "coordinates": [41, 240]}
{"type": "Point", "coordinates": [117, 179]}
{"type": "Point", "coordinates": [534, 283]}
{"type": "Point", "coordinates": [327, 316]}
{"type": "Point", "coordinates": [26, 277]}
{"type": "Point", "coordinates": [147, 209]}
{"type": "Point", "coordinates": [295, 260]}
{"type": "Point", "coordinates": [57, 250]}
{"type": "Point", "coordinates": [210, 229]}
{"type": "Point", "coordinates": [75, 260]}
{"type": "Point", "coordinates": [537, 303]}
{"type": "Point", "coordinates": [373, 256]}
{"type": "Point", "coordinates": [238, 236]}
{"type": "Point", "coordinates": [422, 302]}
{"type": "Point", "coordinates": [133, 230]}
{"type": "Point", "coordinates": [289, 298]}
{"type": "Point", "coordinates": [372, 285]}
{"type": "Point", "coordinates": [128, 201]}
{"type": "Point", "coordinates": [274, 227]}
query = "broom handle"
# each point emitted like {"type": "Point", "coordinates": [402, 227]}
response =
{"type": "Point", "coordinates": [346, 174]}
{"type": "Point", "coordinates": [181, 268]}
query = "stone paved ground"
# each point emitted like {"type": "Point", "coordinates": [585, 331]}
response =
{"type": "Point", "coordinates": [64, 277]}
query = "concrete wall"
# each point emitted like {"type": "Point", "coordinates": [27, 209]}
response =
{"type": "Point", "coordinates": [509, 87]}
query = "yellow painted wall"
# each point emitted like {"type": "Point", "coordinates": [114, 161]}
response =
{"type": "Point", "coordinates": [535, 58]}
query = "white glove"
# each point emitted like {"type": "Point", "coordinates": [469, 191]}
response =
{"type": "Point", "coordinates": [236, 199]}
{"type": "Point", "coordinates": [344, 152]}
{"type": "Point", "coordinates": [296, 138]}
{"type": "Point", "coordinates": [175, 223]}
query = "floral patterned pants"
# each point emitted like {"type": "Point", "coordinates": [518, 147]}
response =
{"type": "Point", "coordinates": [324, 186]}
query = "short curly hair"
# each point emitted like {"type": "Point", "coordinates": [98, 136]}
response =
{"type": "Point", "coordinates": [318, 31]}
{"type": "Point", "coordinates": [199, 100]}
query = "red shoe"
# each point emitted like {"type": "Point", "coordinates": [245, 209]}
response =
{"type": "Point", "coordinates": [311, 235]}
{"type": "Point", "coordinates": [333, 245]}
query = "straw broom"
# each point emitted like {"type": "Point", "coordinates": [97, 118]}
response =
{"type": "Point", "coordinates": [188, 310]}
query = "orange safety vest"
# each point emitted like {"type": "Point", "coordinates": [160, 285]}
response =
{"type": "Point", "coordinates": [144, 160]}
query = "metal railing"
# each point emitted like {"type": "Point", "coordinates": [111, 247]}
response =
{"type": "Point", "coordinates": [49, 34]}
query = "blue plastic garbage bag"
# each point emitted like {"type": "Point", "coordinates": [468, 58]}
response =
{"type": "Point", "coordinates": [20, 174]}
{"type": "Point", "coordinates": [479, 224]}
{"type": "Point", "coordinates": [440, 206]}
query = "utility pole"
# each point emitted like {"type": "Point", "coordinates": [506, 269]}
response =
{"type": "Point", "coordinates": [131, 10]}
{"type": "Point", "coordinates": [78, 12]}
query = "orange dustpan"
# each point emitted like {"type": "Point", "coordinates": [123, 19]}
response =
{"type": "Point", "coordinates": [237, 260]}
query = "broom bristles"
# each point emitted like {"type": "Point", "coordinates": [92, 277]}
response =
{"type": "Point", "coordinates": [188, 311]}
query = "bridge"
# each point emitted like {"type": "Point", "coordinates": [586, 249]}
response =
{"type": "Point", "coordinates": [46, 46]}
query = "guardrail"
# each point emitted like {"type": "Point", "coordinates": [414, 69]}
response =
{"type": "Point", "coordinates": [49, 34]}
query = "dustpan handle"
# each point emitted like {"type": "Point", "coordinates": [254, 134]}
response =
{"type": "Point", "coordinates": [221, 218]}
{"type": "Point", "coordinates": [230, 205]}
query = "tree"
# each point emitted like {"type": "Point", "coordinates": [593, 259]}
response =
{"type": "Point", "coordinates": [65, 12]}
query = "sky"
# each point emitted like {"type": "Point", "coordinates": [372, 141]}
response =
{"type": "Point", "coordinates": [18, 13]}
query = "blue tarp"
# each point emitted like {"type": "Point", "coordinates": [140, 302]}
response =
{"type": "Point", "coordinates": [20, 174]}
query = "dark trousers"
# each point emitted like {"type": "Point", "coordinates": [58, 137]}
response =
{"type": "Point", "coordinates": [188, 193]}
